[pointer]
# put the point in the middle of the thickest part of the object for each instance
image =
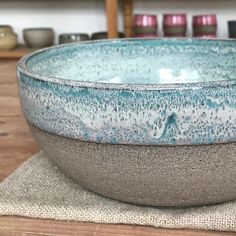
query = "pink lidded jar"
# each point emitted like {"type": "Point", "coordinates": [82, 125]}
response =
{"type": "Point", "coordinates": [145, 24]}
{"type": "Point", "coordinates": [174, 25]}
{"type": "Point", "coordinates": [205, 26]}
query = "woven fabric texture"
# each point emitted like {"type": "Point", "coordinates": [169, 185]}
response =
{"type": "Point", "coordinates": [38, 189]}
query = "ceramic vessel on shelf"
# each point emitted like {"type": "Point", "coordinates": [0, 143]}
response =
{"type": "Point", "coordinates": [146, 121]}
{"type": "Point", "coordinates": [38, 37]}
{"type": "Point", "coordinates": [72, 38]}
{"type": "Point", "coordinates": [104, 35]}
{"type": "Point", "coordinates": [145, 24]}
{"type": "Point", "coordinates": [145, 36]}
{"type": "Point", "coordinates": [204, 26]}
{"type": "Point", "coordinates": [232, 28]}
{"type": "Point", "coordinates": [6, 29]}
{"type": "Point", "coordinates": [174, 25]}
{"type": "Point", "coordinates": [8, 39]}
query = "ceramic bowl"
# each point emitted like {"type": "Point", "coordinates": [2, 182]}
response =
{"type": "Point", "coordinates": [72, 38]}
{"type": "Point", "coordinates": [38, 37]}
{"type": "Point", "coordinates": [104, 35]}
{"type": "Point", "coordinates": [145, 121]}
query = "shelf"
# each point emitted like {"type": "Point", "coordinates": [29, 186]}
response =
{"type": "Point", "coordinates": [128, 17]}
{"type": "Point", "coordinates": [17, 53]}
{"type": "Point", "coordinates": [111, 15]}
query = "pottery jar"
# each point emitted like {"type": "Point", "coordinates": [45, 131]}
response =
{"type": "Point", "coordinates": [145, 36]}
{"type": "Point", "coordinates": [144, 24]}
{"type": "Point", "coordinates": [204, 26]}
{"type": "Point", "coordinates": [104, 35]}
{"type": "Point", "coordinates": [174, 25]}
{"type": "Point", "coordinates": [8, 39]}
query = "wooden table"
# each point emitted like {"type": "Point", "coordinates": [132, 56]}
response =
{"type": "Point", "coordinates": [17, 145]}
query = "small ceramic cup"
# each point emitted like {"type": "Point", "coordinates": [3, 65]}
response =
{"type": "Point", "coordinates": [232, 28]}
{"type": "Point", "coordinates": [104, 35]}
{"type": "Point", "coordinates": [145, 24]}
{"type": "Point", "coordinates": [8, 39]}
{"type": "Point", "coordinates": [38, 37]}
{"type": "Point", "coordinates": [205, 26]}
{"type": "Point", "coordinates": [174, 25]}
{"type": "Point", "coordinates": [72, 38]}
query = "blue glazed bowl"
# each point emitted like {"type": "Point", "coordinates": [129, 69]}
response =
{"type": "Point", "coordinates": [138, 93]}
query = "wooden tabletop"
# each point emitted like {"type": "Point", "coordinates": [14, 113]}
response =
{"type": "Point", "coordinates": [15, 53]}
{"type": "Point", "coordinates": [17, 145]}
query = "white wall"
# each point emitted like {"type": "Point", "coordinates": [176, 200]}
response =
{"type": "Point", "coordinates": [89, 15]}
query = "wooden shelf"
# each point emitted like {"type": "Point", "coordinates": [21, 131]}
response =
{"type": "Point", "coordinates": [17, 53]}
{"type": "Point", "coordinates": [111, 15]}
{"type": "Point", "coordinates": [112, 21]}
{"type": "Point", "coordinates": [128, 17]}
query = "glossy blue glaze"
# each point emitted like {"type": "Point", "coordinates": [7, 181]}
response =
{"type": "Point", "coordinates": [152, 92]}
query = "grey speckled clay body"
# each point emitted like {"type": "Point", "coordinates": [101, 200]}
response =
{"type": "Point", "coordinates": [164, 176]}
{"type": "Point", "coordinates": [144, 121]}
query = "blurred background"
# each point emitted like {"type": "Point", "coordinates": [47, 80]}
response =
{"type": "Point", "coordinates": [90, 16]}
{"type": "Point", "coordinates": [26, 25]}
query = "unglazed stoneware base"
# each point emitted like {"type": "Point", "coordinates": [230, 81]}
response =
{"type": "Point", "coordinates": [149, 175]}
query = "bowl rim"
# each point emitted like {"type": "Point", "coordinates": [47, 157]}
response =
{"type": "Point", "coordinates": [24, 69]}
{"type": "Point", "coordinates": [69, 34]}
{"type": "Point", "coordinates": [37, 29]}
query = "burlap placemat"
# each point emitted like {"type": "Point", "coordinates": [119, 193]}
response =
{"type": "Point", "coordinates": [38, 189]}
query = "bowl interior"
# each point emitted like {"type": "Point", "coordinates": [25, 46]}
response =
{"type": "Point", "coordinates": [140, 61]}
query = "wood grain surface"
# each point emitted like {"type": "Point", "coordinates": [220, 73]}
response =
{"type": "Point", "coordinates": [15, 53]}
{"type": "Point", "coordinates": [128, 17]}
{"type": "Point", "coordinates": [17, 145]}
{"type": "Point", "coordinates": [111, 15]}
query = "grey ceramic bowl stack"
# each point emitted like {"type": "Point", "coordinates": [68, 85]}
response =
{"type": "Point", "coordinates": [142, 121]}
